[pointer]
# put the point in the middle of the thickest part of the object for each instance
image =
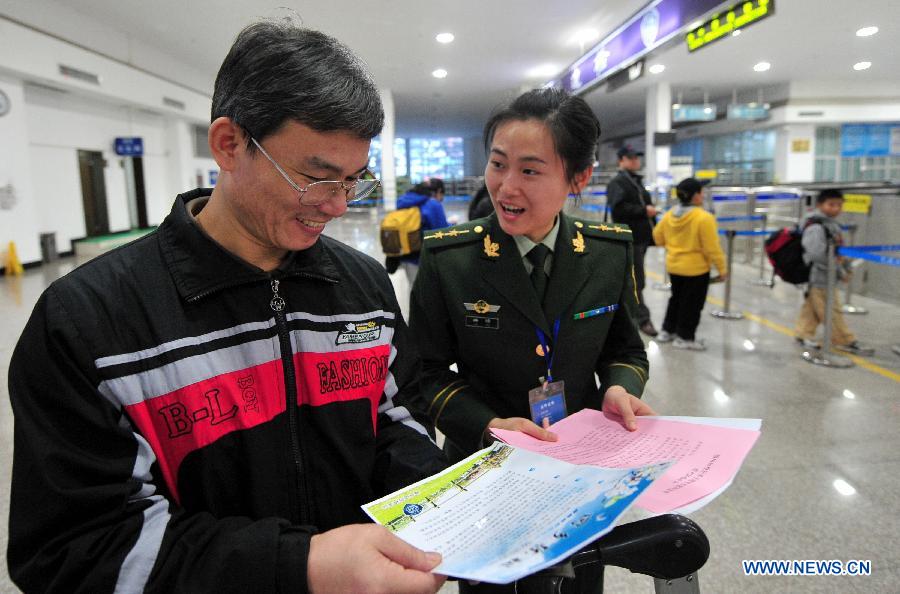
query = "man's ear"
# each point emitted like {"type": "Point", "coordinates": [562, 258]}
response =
{"type": "Point", "coordinates": [226, 141]}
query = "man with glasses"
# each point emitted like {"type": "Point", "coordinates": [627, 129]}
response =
{"type": "Point", "coordinates": [205, 409]}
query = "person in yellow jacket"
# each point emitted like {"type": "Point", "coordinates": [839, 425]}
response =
{"type": "Point", "coordinates": [691, 238]}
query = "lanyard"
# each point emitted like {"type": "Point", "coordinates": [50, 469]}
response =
{"type": "Point", "coordinates": [542, 338]}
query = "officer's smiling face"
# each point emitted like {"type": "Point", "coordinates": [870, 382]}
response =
{"type": "Point", "coordinates": [526, 178]}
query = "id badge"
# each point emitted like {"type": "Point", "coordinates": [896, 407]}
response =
{"type": "Point", "coordinates": [548, 402]}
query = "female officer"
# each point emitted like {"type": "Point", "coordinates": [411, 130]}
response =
{"type": "Point", "coordinates": [529, 297]}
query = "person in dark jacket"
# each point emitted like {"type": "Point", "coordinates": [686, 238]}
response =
{"type": "Point", "coordinates": [630, 204]}
{"type": "Point", "coordinates": [205, 409]}
{"type": "Point", "coordinates": [481, 206]}
{"type": "Point", "coordinates": [427, 197]}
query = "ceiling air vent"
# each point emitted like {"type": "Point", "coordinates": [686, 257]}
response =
{"type": "Point", "coordinates": [811, 114]}
{"type": "Point", "coordinates": [82, 75]}
{"type": "Point", "coordinates": [169, 102]}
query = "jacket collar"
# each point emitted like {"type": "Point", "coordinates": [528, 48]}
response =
{"type": "Point", "coordinates": [200, 266]}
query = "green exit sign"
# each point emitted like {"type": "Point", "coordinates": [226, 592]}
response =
{"type": "Point", "coordinates": [725, 23]}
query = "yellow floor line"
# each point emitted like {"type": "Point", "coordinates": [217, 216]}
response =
{"type": "Point", "coordinates": [864, 363]}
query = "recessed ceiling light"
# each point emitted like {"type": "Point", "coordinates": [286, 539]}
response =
{"type": "Point", "coordinates": [439, 73]}
{"type": "Point", "coordinates": [843, 487]}
{"type": "Point", "coordinates": [736, 32]}
{"type": "Point", "coordinates": [585, 36]}
{"type": "Point", "coordinates": [867, 31]}
{"type": "Point", "coordinates": [444, 37]}
{"type": "Point", "coordinates": [862, 65]}
{"type": "Point", "coordinates": [657, 69]}
{"type": "Point", "coordinates": [762, 67]}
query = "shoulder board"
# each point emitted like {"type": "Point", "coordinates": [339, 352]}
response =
{"type": "Point", "coordinates": [604, 230]}
{"type": "Point", "coordinates": [464, 233]}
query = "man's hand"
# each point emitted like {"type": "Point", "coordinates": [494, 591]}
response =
{"type": "Point", "coordinates": [526, 426]}
{"type": "Point", "coordinates": [619, 402]}
{"type": "Point", "coordinates": [651, 211]}
{"type": "Point", "coordinates": [368, 558]}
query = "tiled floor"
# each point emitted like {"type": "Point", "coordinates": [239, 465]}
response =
{"type": "Point", "coordinates": [783, 504]}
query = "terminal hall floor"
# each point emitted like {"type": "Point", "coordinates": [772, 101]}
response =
{"type": "Point", "coordinates": [820, 426]}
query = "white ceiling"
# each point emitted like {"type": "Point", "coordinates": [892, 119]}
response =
{"type": "Point", "coordinates": [497, 43]}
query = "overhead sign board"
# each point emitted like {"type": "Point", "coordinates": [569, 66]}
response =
{"type": "Point", "coordinates": [726, 22]}
{"type": "Point", "coordinates": [700, 112]}
{"type": "Point", "coordinates": [748, 111]}
{"type": "Point", "coordinates": [652, 26]}
{"type": "Point", "coordinates": [129, 146]}
{"type": "Point", "coordinates": [625, 76]}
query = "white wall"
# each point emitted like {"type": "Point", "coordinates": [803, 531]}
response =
{"type": "Point", "coordinates": [18, 223]}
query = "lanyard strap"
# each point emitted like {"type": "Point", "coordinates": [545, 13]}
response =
{"type": "Point", "coordinates": [542, 339]}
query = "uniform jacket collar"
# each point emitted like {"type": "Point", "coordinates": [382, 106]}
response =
{"type": "Point", "coordinates": [506, 273]}
{"type": "Point", "coordinates": [200, 266]}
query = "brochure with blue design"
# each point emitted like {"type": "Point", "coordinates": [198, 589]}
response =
{"type": "Point", "coordinates": [504, 513]}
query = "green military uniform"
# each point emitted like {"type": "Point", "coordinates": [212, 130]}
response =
{"type": "Point", "coordinates": [473, 304]}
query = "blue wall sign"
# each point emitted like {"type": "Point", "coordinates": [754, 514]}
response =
{"type": "Point", "coordinates": [748, 111]}
{"type": "Point", "coordinates": [129, 146]}
{"type": "Point", "coordinates": [654, 25]}
{"type": "Point", "coordinates": [870, 140]}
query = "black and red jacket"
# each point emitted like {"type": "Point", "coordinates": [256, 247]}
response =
{"type": "Point", "coordinates": [184, 422]}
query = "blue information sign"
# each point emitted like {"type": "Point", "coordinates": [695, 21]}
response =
{"type": "Point", "coordinates": [870, 140]}
{"type": "Point", "coordinates": [654, 25]}
{"type": "Point", "coordinates": [130, 146]}
{"type": "Point", "coordinates": [748, 111]}
{"type": "Point", "coordinates": [693, 113]}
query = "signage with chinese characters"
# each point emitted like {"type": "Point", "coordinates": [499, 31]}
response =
{"type": "Point", "coordinates": [870, 140]}
{"type": "Point", "coordinates": [129, 146]}
{"type": "Point", "coordinates": [748, 111]}
{"type": "Point", "coordinates": [858, 203]}
{"type": "Point", "coordinates": [652, 26]}
{"type": "Point", "coordinates": [726, 22]}
{"type": "Point", "coordinates": [800, 145]}
{"type": "Point", "coordinates": [701, 112]}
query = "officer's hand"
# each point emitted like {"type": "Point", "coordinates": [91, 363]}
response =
{"type": "Point", "coordinates": [651, 211]}
{"type": "Point", "coordinates": [526, 426]}
{"type": "Point", "coordinates": [368, 558]}
{"type": "Point", "coordinates": [619, 402]}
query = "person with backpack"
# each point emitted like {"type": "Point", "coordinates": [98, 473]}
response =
{"type": "Point", "coordinates": [817, 227]}
{"type": "Point", "coordinates": [691, 239]}
{"type": "Point", "coordinates": [418, 210]}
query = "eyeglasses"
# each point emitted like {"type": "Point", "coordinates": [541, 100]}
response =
{"type": "Point", "coordinates": [321, 191]}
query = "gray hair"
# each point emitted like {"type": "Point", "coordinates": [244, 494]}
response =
{"type": "Point", "coordinates": [277, 71]}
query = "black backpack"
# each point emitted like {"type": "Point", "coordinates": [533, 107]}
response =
{"type": "Point", "coordinates": [784, 248]}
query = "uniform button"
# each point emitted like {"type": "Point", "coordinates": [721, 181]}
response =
{"type": "Point", "coordinates": [579, 224]}
{"type": "Point", "coordinates": [479, 229]}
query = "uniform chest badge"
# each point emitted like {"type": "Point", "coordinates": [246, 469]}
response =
{"type": "Point", "coordinates": [491, 250]}
{"type": "Point", "coordinates": [482, 307]}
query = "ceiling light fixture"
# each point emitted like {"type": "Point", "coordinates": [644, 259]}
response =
{"type": "Point", "coordinates": [657, 69]}
{"type": "Point", "coordinates": [543, 70]}
{"type": "Point", "coordinates": [444, 37]}
{"type": "Point", "coordinates": [866, 31]}
{"type": "Point", "coordinates": [439, 73]}
{"type": "Point", "coordinates": [862, 65]}
{"type": "Point", "coordinates": [762, 67]}
{"type": "Point", "coordinates": [843, 487]}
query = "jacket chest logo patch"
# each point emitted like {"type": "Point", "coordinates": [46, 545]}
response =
{"type": "Point", "coordinates": [359, 332]}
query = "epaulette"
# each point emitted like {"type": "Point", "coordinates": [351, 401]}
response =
{"type": "Point", "coordinates": [466, 232]}
{"type": "Point", "coordinates": [604, 230]}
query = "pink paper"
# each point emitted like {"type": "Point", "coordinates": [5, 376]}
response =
{"type": "Point", "coordinates": [707, 457]}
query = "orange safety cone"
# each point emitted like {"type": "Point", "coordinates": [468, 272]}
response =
{"type": "Point", "coordinates": [13, 267]}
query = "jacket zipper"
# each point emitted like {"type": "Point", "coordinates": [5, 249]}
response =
{"type": "Point", "coordinates": [290, 384]}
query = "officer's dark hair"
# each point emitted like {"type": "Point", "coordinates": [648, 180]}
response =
{"type": "Point", "coordinates": [828, 194]}
{"type": "Point", "coordinates": [278, 71]}
{"type": "Point", "coordinates": [573, 126]}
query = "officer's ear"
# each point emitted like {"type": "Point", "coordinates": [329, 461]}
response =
{"type": "Point", "coordinates": [581, 179]}
{"type": "Point", "coordinates": [226, 141]}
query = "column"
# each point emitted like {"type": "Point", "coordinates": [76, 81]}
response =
{"type": "Point", "coordinates": [658, 119]}
{"type": "Point", "coordinates": [388, 175]}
